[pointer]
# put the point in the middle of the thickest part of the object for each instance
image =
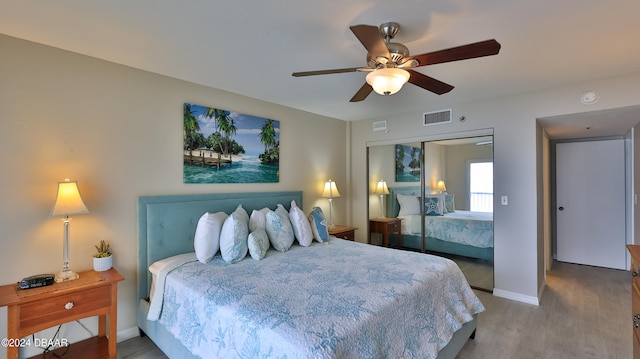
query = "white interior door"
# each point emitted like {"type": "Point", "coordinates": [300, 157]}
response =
{"type": "Point", "coordinates": [590, 199]}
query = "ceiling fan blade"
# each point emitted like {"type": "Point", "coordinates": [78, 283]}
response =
{"type": "Point", "coordinates": [326, 72]}
{"type": "Point", "coordinates": [469, 51]}
{"type": "Point", "coordinates": [428, 83]}
{"type": "Point", "coordinates": [371, 39]}
{"type": "Point", "coordinates": [364, 91]}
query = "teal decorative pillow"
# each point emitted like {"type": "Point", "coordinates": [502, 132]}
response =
{"type": "Point", "coordinates": [449, 203]}
{"type": "Point", "coordinates": [258, 244]}
{"type": "Point", "coordinates": [301, 225]}
{"type": "Point", "coordinates": [319, 225]}
{"type": "Point", "coordinates": [432, 206]}
{"type": "Point", "coordinates": [279, 230]}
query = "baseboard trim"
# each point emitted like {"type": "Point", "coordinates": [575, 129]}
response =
{"type": "Point", "coordinates": [516, 296]}
{"type": "Point", "coordinates": [127, 334]}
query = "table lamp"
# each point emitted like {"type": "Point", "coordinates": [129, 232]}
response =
{"type": "Point", "coordinates": [382, 190]}
{"type": "Point", "coordinates": [68, 201]}
{"type": "Point", "coordinates": [330, 191]}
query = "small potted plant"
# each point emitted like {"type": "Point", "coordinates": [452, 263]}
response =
{"type": "Point", "coordinates": [102, 259]}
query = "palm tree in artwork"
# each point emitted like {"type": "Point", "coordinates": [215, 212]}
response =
{"type": "Point", "coordinates": [191, 126]}
{"type": "Point", "coordinates": [208, 112]}
{"type": "Point", "coordinates": [227, 126]}
{"type": "Point", "coordinates": [268, 135]}
{"type": "Point", "coordinates": [268, 138]}
{"type": "Point", "coordinates": [399, 158]}
{"type": "Point", "coordinates": [414, 164]}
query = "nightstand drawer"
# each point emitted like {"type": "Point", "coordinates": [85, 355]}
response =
{"type": "Point", "coordinates": [343, 232]}
{"type": "Point", "coordinates": [394, 226]}
{"type": "Point", "coordinates": [350, 235]}
{"type": "Point", "coordinates": [70, 305]}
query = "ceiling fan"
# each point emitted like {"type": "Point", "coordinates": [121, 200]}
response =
{"type": "Point", "coordinates": [390, 65]}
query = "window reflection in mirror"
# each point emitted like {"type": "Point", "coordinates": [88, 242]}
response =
{"type": "Point", "coordinates": [454, 219]}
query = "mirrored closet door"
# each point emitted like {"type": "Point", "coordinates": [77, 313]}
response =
{"type": "Point", "coordinates": [440, 193]}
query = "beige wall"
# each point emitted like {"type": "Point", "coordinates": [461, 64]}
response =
{"type": "Point", "coordinates": [518, 148]}
{"type": "Point", "coordinates": [118, 131]}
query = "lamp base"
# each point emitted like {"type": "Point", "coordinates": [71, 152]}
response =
{"type": "Point", "coordinates": [66, 275]}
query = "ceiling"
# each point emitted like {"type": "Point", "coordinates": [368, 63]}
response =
{"type": "Point", "coordinates": [252, 47]}
{"type": "Point", "coordinates": [603, 123]}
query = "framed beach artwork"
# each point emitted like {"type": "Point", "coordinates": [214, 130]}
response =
{"type": "Point", "coordinates": [221, 146]}
{"type": "Point", "coordinates": [407, 163]}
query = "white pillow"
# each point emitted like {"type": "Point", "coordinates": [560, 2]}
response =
{"type": "Point", "coordinates": [319, 225]}
{"type": "Point", "coordinates": [301, 225]}
{"type": "Point", "coordinates": [257, 219]}
{"type": "Point", "coordinates": [242, 213]}
{"type": "Point", "coordinates": [258, 244]}
{"type": "Point", "coordinates": [408, 205]}
{"type": "Point", "coordinates": [279, 230]}
{"type": "Point", "coordinates": [233, 237]}
{"type": "Point", "coordinates": [206, 241]}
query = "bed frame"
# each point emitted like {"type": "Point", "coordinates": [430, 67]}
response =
{"type": "Point", "coordinates": [166, 227]}
{"type": "Point", "coordinates": [431, 244]}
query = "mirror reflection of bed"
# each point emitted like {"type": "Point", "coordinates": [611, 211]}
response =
{"type": "Point", "coordinates": [460, 223]}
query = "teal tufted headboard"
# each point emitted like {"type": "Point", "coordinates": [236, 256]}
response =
{"type": "Point", "coordinates": [167, 224]}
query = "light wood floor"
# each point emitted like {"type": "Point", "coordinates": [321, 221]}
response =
{"type": "Point", "coordinates": [585, 312]}
{"type": "Point", "coordinates": [139, 348]}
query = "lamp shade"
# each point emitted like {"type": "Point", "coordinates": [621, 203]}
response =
{"type": "Point", "coordinates": [330, 190]}
{"type": "Point", "coordinates": [441, 186]}
{"type": "Point", "coordinates": [387, 81]}
{"type": "Point", "coordinates": [68, 200]}
{"type": "Point", "coordinates": [382, 188]}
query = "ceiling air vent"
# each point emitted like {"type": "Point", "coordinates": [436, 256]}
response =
{"type": "Point", "coordinates": [436, 118]}
{"type": "Point", "coordinates": [380, 126]}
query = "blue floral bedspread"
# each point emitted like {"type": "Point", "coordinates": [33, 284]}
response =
{"type": "Point", "coordinates": [341, 300]}
{"type": "Point", "coordinates": [463, 227]}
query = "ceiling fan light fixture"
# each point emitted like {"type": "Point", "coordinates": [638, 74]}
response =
{"type": "Point", "coordinates": [387, 81]}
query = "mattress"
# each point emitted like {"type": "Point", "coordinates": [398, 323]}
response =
{"type": "Point", "coordinates": [341, 300]}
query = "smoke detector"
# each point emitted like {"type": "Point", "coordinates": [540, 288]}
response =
{"type": "Point", "coordinates": [589, 98]}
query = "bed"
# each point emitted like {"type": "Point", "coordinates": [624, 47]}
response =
{"type": "Point", "coordinates": [287, 312]}
{"type": "Point", "coordinates": [463, 233]}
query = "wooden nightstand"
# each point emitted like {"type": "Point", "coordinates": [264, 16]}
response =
{"type": "Point", "coordinates": [386, 226]}
{"type": "Point", "coordinates": [93, 294]}
{"type": "Point", "coordinates": [344, 232]}
{"type": "Point", "coordinates": [634, 250]}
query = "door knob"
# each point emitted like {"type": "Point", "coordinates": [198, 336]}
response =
{"type": "Point", "coordinates": [561, 208]}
